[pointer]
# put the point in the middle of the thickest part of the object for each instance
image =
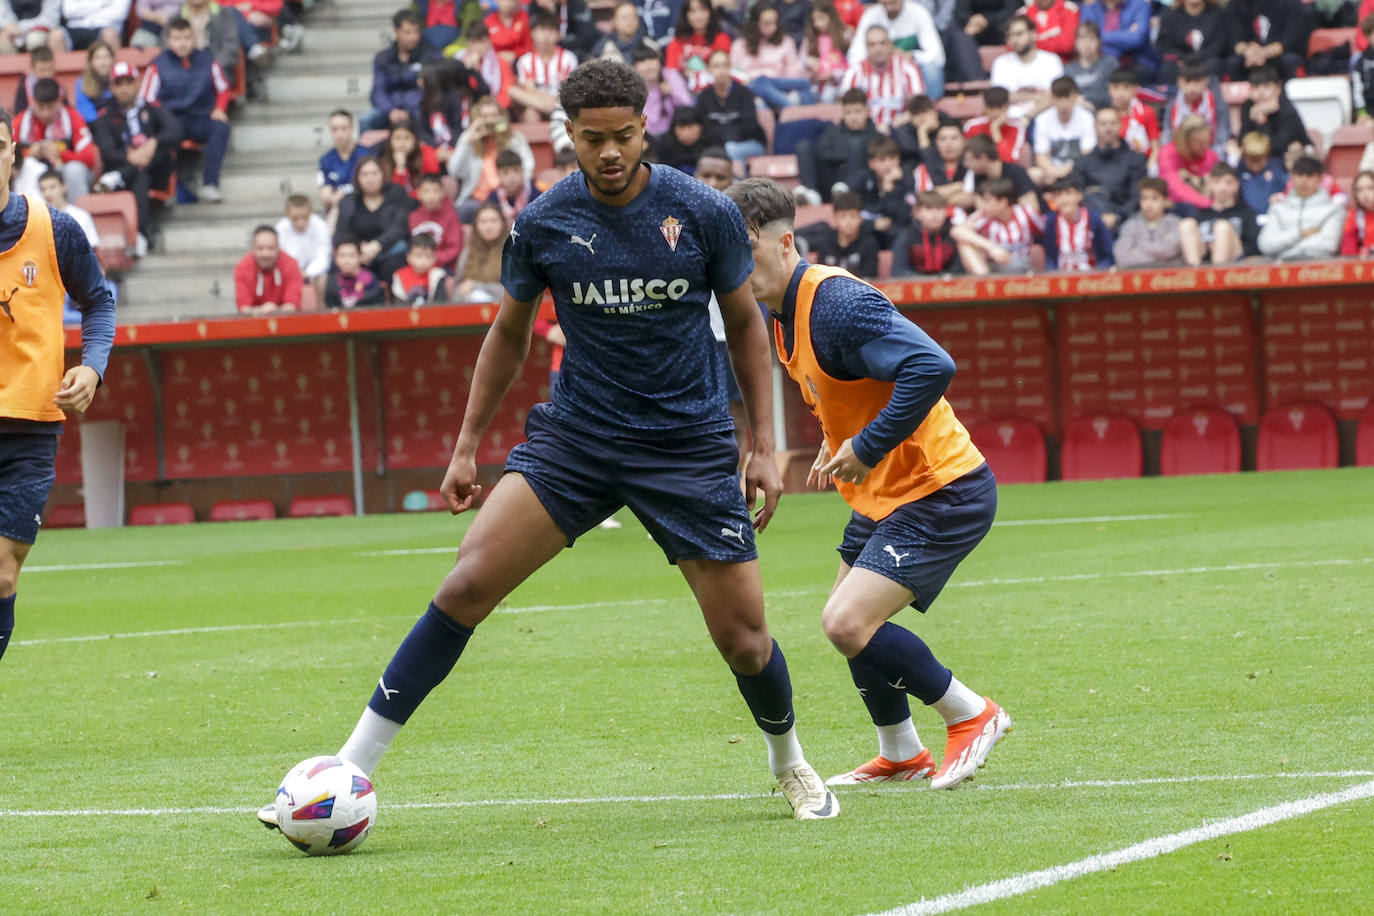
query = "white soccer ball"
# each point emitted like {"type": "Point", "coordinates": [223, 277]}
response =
{"type": "Point", "coordinates": [326, 806]}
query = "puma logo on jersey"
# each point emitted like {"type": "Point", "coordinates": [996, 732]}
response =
{"type": "Point", "coordinates": [896, 557]}
{"type": "Point", "coordinates": [386, 691]}
{"type": "Point", "coordinates": [737, 535]}
{"type": "Point", "coordinates": [579, 240]}
{"type": "Point", "coordinates": [5, 304]}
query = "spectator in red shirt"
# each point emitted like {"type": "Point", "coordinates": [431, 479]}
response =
{"type": "Point", "coordinates": [53, 135]}
{"type": "Point", "coordinates": [404, 158]}
{"type": "Point", "coordinates": [1358, 238]}
{"type": "Point", "coordinates": [698, 34]}
{"type": "Point", "coordinates": [1056, 25]}
{"type": "Point", "coordinates": [267, 279]}
{"type": "Point", "coordinates": [996, 122]}
{"type": "Point", "coordinates": [436, 217]}
{"type": "Point", "coordinates": [509, 28]}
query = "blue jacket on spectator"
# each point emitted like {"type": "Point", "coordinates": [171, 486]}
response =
{"type": "Point", "coordinates": [396, 83]}
{"type": "Point", "coordinates": [185, 87]}
{"type": "Point", "coordinates": [1131, 38]}
{"type": "Point", "coordinates": [1258, 185]}
{"type": "Point", "coordinates": [336, 172]}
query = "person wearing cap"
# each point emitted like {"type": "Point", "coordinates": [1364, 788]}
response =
{"type": "Point", "coordinates": [137, 143]}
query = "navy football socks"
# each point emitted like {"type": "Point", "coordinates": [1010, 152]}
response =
{"type": "Point", "coordinates": [425, 657]}
{"type": "Point", "coordinates": [906, 663]}
{"type": "Point", "coordinates": [886, 704]}
{"type": "Point", "coordinates": [6, 622]}
{"type": "Point", "coordinates": [769, 694]}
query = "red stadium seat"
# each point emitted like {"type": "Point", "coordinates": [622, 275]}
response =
{"type": "Point", "coordinates": [1202, 440]}
{"type": "Point", "coordinates": [1297, 437]}
{"type": "Point", "coordinates": [116, 219]}
{"type": "Point", "coordinates": [310, 300]}
{"type": "Point", "coordinates": [1347, 146]}
{"type": "Point", "coordinates": [821, 111]}
{"type": "Point", "coordinates": [782, 169]}
{"type": "Point", "coordinates": [311, 506]}
{"type": "Point", "coordinates": [961, 107]}
{"type": "Point", "coordinates": [241, 510]}
{"type": "Point", "coordinates": [537, 133]}
{"type": "Point", "coordinates": [1014, 448]}
{"type": "Point", "coordinates": [1326, 39]}
{"type": "Point", "coordinates": [769, 125]}
{"type": "Point", "coordinates": [989, 53]}
{"type": "Point", "coordinates": [1364, 439]}
{"type": "Point", "coordinates": [72, 515]}
{"type": "Point", "coordinates": [809, 215]}
{"type": "Point", "coordinates": [162, 514]}
{"type": "Point", "coordinates": [885, 264]}
{"type": "Point", "coordinates": [1101, 447]}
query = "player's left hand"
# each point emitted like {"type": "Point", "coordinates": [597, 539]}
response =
{"type": "Point", "coordinates": [846, 466]}
{"type": "Point", "coordinates": [814, 477]}
{"type": "Point", "coordinates": [761, 473]}
{"type": "Point", "coordinates": [78, 389]}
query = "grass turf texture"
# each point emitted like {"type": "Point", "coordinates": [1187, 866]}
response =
{"type": "Point", "coordinates": [1107, 676]}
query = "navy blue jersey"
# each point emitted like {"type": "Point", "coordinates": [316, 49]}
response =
{"type": "Point", "coordinates": [631, 286]}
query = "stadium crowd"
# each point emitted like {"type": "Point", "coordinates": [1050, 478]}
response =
{"type": "Point", "coordinates": [938, 136]}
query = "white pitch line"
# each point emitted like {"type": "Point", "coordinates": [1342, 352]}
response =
{"type": "Point", "coordinates": [1011, 523]}
{"type": "Point", "coordinates": [1149, 849]}
{"type": "Point", "coordinates": [638, 602]}
{"type": "Point", "coordinates": [75, 567]}
{"type": "Point", "coordinates": [1146, 573]}
{"type": "Point", "coordinates": [730, 796]}
{"type": "Point", "coordinates": [1085, 520]}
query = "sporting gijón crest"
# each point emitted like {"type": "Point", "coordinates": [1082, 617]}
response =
{"type": "Point", "coordinates": [672, 231]}
{"type": "Point", "coordinates": [30, 272]}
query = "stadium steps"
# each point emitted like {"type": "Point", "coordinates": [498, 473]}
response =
{"type": "Point", "coordinates": [273, 152]}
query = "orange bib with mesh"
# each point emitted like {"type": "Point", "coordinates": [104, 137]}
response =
{"type": "Point", "coordinates": [31, 339]}
{"type": "Point", "coordinates": [937, 453]}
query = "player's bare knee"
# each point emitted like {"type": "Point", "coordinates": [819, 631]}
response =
{"type": "Point", "coordinates": [746, 651]}
{"type": "Point", "coordinates": [846, 628]}
{"type": "Point", "coordinates": [466, 597]}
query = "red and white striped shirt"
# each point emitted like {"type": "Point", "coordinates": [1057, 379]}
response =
{"type": "Point", "coordinates": [545, 74]}
{"type": "Point", "coordinates": [67, 128]}
{"type": "Point", "coordinates": [888, 88]}
{"type": "Point", "coordinates": [1016, 235]}
{"type": "Point", "coordinates": [1140, 127]}
{"type": "Point", "coordinates": [1075, 241]}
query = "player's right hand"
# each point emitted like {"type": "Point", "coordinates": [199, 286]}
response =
{"type": "Point", "coordinates": [814, 477]}
{"type": "Point", "coordinates": [460, 489]}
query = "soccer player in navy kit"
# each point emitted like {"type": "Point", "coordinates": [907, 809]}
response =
{"type": "Point", "coordinates": [639, 418]}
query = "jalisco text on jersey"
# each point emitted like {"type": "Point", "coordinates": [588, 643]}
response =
{"type": "Point", "coordinates": [628, 290]}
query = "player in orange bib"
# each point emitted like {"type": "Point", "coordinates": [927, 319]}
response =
{"type": "Point", "coordinates": [921, 493]}
{"type": "Point", "coordinates": [44, 256]}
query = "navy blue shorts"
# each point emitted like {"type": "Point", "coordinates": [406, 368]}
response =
{"type": "Point", "coordinates": [686, 492]}
{"type": "Point", "coordinates": [920, 544]}
{"type": "Point", "coordinates": [27, 472]}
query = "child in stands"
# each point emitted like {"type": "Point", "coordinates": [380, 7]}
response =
{"type": "Point", "coordinates": [1358, 239]}
{"type": "Point", "coordinates": [514, 193]}
{"type": "Point", "coordinates": [1156, 238]}
{"type": "Point", "coordinates": [927, 246]}
{"type": "Point", "coordinates": [436, 218]}
{"type": "Point", "coordinates": [1075, 237]}
{"type": "Point", "coordinates": [351, 284]}
{"type": "Point", "coordinates": [999, 235]}
{"type": "Point", "coordinates": [421, 281]}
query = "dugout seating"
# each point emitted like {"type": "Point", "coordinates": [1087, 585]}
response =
{"type": "Point", "coordinates": [1297, 437]}
{"type": "Point", "coordinates": [242, 510]}
{"type": "Point", "coordinates": [1101, 447]}
{"type": "Point", "coordinates": [316, 506]}
{"type": "Point", "coordinates": [1014, 448]}
{"type": "Point", "coordinates": [162, 514]}
{"type": "Point", "coordinates": [72, 515]}
{"type": "Point", "coordinates": [1201, 440]}
{"type": "Point", "coordinates": [1364, 439]}
{"type": "Point", "coordinates": [116, 220]}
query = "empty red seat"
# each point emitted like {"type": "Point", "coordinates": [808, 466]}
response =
{"type": "Point", "coordinates": [1200, 440]}
{"type": "Point", "coordinates": [1364, 439]}
{"type": "Point", "coordinates": [239, 510]}
{"type": "Point", "coordinates": [1297, 437]}
{"type": "Point", "coordinates": [310, 506]}
{"type": "Point", "coordinates": [1014, 448]}
{"type": "Point", "coordinates": [1101, 447]}
{"type": "Point", "coordinates": [72, 515]}
{"type": "Point", "coordinates": [162, 514]}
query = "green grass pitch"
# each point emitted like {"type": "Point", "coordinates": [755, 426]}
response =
{"type": "Point", "coordinates": [590, 753]}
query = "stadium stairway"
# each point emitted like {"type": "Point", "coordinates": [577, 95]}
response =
{"type": "Point", "coordinates": [273, 150]}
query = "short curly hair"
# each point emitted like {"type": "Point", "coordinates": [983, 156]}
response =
{"type": "Point", "coordinates": [602, 84]}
